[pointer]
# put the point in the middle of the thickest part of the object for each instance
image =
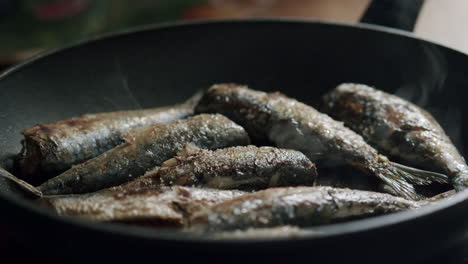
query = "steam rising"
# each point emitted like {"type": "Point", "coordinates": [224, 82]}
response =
{"type": "Point", "coordinates": [431, 77]}
{"type": "Point", "coordinates": [428, 85]}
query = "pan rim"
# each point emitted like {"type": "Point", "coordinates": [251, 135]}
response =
{"type": "Point", "coordinates": [201, 22]}
{"type": "Point", "coordinates": [333, 230]}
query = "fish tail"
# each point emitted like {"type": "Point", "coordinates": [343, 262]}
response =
{"type": "Point", "coordinates": [22, 184]}
{"type": "Point", "coordinates": [395, 184]}
{"type": "Point", "coordinates": [419, 177]}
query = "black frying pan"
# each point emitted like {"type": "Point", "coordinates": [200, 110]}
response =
{"type": "Point", "coordinates": [165, 64]}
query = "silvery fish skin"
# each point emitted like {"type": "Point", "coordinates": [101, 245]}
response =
{"type": "Point", "coordinates": [297, 206]}
{"type": "Point", "coordinates": [289, 232]}
{"type": "Point", "coordinates": [294, 125]}
{"type": "Point", "coordinates": [398, 128]}
{"type": "Point", "coordinates": [145, 149]}
{"type": "Point", "coordinates": [241, 167]}
{"type": "Point", "coordinates": [152, 205]}
{"type": "Point", "coordinates": [49, 149]}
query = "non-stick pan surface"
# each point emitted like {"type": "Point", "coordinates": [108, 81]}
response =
{"type": "Point", "coordinates": [165, 64]}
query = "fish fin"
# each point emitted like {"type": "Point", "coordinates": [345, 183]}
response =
{"type": "Point", "coordinates": [172, 162]}
{"type": "Point", "coordinates": [195, 98]}
{"type": "Point", "coordinates": [460, 181]}
{"type": "Point", "coordinates": [420, 177]}
{"type": "Point", "coordinates": [383, 187]}
{"type": "Point", "coordinates": [387, 189]}
{"type": "Point", "coordinates": [187, 150]}
{"type": "Point", "coordinates": [22, 184]}
{"type": "Point", "coordinates": [397, 185]}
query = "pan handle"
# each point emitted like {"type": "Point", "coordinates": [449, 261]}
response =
{"type": "Point", "coordinates": [400, 14]}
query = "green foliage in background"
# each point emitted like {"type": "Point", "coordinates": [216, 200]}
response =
{"type": "Point", "coordinates": [22, 27]}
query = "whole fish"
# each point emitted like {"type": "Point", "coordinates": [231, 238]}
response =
{"type": "Point", "coordinates": [49, 149]}
{"type": "Point", "coordinates": [153, 205]}
{"type": "Point", "coordinates": [145, 149]}
{"type": "Point", "coordinates": [298, 206]}
{"type": "Point", "coordinates": [294, 125]}
{"type": "Point", "coordinates": [243, 167]}
{"type": "Point", "coordinates": [398, 128]}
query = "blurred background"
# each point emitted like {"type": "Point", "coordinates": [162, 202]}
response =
{"type": "Point", "coordinates": [28, 27]}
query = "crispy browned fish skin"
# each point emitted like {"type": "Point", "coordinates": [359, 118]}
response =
{"type": "Point", "coordinates": [300, 206]}
{"type": "Point", "coordinates": [398, 128]}
{"type": "Point", "coordinates": [152, 205]}
{"type": "Point", "coordinates": [49, 149]}
{"type": "Point", "coordinates": [292, 124]}
{"type": "Point", "coordinates": [244, 168]}
{"type": "Point", "coordinates": [143, 150]}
